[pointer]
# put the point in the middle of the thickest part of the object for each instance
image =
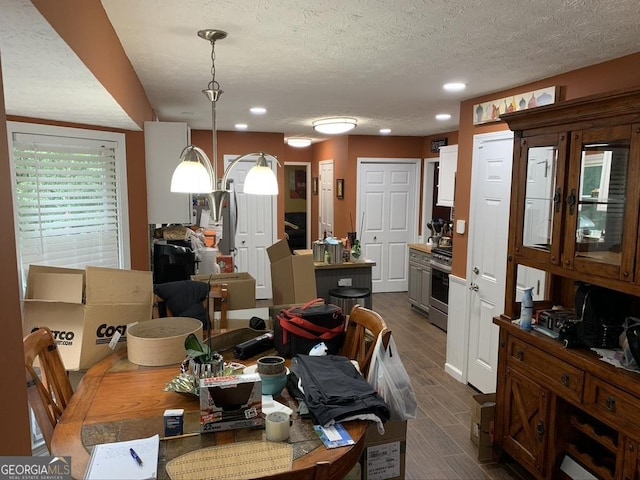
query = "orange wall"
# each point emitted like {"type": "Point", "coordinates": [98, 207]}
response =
{"type": "Point", "coordinates": [95, 42]}
{"type": "Point", "coordinates": [13, 403]}
{"type": "Point", "coordinates": [616, 74]}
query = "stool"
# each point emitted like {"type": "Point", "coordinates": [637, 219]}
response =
{"type": "Point", "coordinates": [347, 297]}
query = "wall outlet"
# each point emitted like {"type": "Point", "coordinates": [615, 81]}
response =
{"type": "Point", "coordinates": [344, 282]}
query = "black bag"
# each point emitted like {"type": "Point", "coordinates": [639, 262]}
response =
{"type": "Point", "coordinates": [602, 313]}
{"type": "Point", "coordinates": [298, 329]}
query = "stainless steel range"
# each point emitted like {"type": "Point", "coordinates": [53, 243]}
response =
{"type": "Point", "coordinates": [439, 299]}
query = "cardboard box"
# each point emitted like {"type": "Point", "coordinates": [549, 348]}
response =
{"type": "Point", "coordinates": [293, 277]}
{"type": "Point", "coordinates": [384, 456]}
{"type": "Point", "coordinates": [241, 288]}
{"type": "Point", "coordinates": [483, 412]}
{"type": "Point", "coordinates": [85, 308]}
{"type": "Point", "coordinates": [231, 402]}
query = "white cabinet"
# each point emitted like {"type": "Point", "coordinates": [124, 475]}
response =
{"type": "Point", "coordinates": [447, 175]}
{"type": "Point", "coordinates": [163, 143]}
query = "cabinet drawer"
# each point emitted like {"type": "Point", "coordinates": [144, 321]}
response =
{"type": "Point", "coordinates": [418, 257]}
{"type": "Point", "coordinates": [555, 374]}
{"type": "Point", "coordinates": [612, 404]}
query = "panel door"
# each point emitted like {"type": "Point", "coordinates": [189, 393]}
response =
{"type": "Point", "coordinates": [256, 227]}
{"type": "Point", "coordinates": [326, 198]}
{"type": "Point", "coordinates": [388, 199]}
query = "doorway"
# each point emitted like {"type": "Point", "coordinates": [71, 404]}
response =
{"type": "Point", "coordinates": [297, 204]}
{"type": "Point", "coordinates": [326, 198]}
{"type": "Point", "coordinates": [256, 227]}
{"type": "Point", "coordinates": [387, 212]}
{"type": "Point", "coordinates": [487, 260]}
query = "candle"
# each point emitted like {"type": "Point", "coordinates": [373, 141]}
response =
{"type": "Point", "coordinates": [277, 426]}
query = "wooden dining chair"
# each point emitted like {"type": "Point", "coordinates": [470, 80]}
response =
{"type": "Point", "coordinates": [362, 331]}
{"type": "Point", "coordinates": [50, 391]}
{"type": "Point", "coordinates": [218, 302]}
{"type": "Point", "coordinates": [319, 471]}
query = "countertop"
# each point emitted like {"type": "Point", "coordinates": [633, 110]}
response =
{"type": "Point", "coordinates": [421, 247]}
{"type": "Point", "coordinates": [327, 266]}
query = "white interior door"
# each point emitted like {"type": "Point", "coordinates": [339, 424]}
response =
{"type": "Point", "coordinates": [256, 226]}
{"type": "Point", "coordinates": [326, 198]}
{"type": "Point", "coordinates": [388, 198]}
{"type": "Point", "coordinates": [487, 262]}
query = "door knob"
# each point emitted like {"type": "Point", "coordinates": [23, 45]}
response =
{"type": "Point", "coordinates": [375, 238]}
{"type": "Point", "coordinates": [244, 241]}
{"type": "Point", "coordinates": [474, 287]}
{"type": "Point", "coordinates": [476, 270]}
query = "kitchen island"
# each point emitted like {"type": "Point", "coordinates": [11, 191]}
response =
{"type": "Point", "coordinates": [329, 274]}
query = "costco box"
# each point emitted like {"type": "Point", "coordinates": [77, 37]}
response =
{"type": "Point", "coordinates": [293, 277]}
{"type": "Point", "coordinates": [384, 456]}
{"type": "Point", "coordinates": [231, 402]}
{"type": "Point", "coordinates": [85, 308]}
{"type": "Point", "coordinates": [241, 288]}
{"type": "Point", "coordinates": [483, 411]}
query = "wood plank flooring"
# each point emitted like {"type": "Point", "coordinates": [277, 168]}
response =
{"type": "Point", "coordinates": [438, 444]}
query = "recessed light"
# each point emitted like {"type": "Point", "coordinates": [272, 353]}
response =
{"type": "Point", "coordinates": [241, 126]}
{"type": "Point", "coordinates": [454, 86]}
{"type": "Point", "coordinates": [334, 126]}
{"type": "Point", "coordinates": [298, 142]}
{"type": "Point", "coordinates": [443, 116]}
{"type": "Point", "coordinates": [385, 131]}
{"type": "Point", "coordinates": [258, 110]}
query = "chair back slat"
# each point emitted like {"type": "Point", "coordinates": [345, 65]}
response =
{"type": "Point", "coordinates": [363, 328]}
{"type": "Point", "coordinates": [48, 391]}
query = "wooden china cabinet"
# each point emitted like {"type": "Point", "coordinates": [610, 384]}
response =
{"type": "Point", "coordinates": [575, 211]}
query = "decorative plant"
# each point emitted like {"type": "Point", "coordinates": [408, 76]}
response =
{"type": "Point", "coordinates": [200, 352]}
{"type": "Point", "coordinates": [355, 250]}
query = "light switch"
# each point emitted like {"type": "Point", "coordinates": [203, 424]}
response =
{"type": "Point", "coordinates": [460, 227]}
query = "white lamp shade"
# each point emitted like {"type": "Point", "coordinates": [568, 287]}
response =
{"type": "Point", "coordinates": [261, 181]}
{"type": "Point", "coordinates": [190, 177]}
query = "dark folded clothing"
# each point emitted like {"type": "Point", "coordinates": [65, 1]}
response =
{"type": "Point", "coordinates": [334, 389]}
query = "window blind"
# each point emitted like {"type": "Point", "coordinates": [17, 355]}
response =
{"type": "Point", "coordinates": [67, 201]}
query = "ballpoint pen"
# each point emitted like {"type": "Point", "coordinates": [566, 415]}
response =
{"type": "Point", "coordinates": [135, 456]}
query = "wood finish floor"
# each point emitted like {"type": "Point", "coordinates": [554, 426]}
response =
{"type": "Point", "coordinates": [438, 444]}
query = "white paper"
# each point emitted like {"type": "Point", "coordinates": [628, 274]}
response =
{"type": "Point", "coordinates": [114, 460]}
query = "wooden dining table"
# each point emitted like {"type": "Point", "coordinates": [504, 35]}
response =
{"type": "Point", "coordinates": [117, 400]}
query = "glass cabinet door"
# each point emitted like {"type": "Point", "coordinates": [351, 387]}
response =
{"type": "Point", "coordinates": [541, 203]}
{"type": "Point", "coordinates": [598, 204]}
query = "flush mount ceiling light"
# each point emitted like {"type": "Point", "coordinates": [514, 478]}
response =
{"type": "Point", "coordinates": [454, 86]}
{"type": "Point", "coordinates": [241, 126]}
{"type": "Point", "coordinates": [335, 126]}
{"type": "Point", "coordinates": [258, 110]}
{"type": "Point", "coordinates": [298, 142]}
{"type": "Point", "coordinates": [385, 131]}
{"type": "Point", "coordinates": [443, 116]}
{"type": "Point", "coordinates": [197, 174]}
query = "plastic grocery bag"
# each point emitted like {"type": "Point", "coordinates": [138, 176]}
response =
{"type": "Point", "coordinates": [391, 380]}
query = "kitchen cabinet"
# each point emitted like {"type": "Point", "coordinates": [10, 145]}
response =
{"type": "Point", "coordinates": [576, 192]}
{"type": "Point", "coordinates": [447, 167]}
{"type": "Point", "coordinates": [574, 216]}
{"type": "Point", "coordinates": [554, 402]}
{"type": "Point", "coordinates": [163, 143]}
{"type": "Point", "coordinates": [419, 278]}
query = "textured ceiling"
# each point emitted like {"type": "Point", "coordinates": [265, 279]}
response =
{"type": "Point", "coordinates": [383, 62]}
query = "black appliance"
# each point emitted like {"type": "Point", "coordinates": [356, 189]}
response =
{"type": "Point", "coordinates": [439, 298]}
{"type": "Point", "coordinates": [172, 263]}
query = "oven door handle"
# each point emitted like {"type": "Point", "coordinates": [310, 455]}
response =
{"type": "Point", "coordinates": [440, 266]}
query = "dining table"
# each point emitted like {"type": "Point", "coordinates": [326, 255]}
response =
{"type": "Point", "coordinates": [117, 400]}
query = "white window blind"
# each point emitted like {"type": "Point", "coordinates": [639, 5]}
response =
{"type": "Point", "coordinates": [67, 200]}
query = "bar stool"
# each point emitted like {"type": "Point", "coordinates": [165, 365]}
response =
{"type": "Point", "coordinates": [347, 297]}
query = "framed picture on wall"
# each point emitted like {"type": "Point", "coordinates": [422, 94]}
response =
{"type": "Point", "coordinates": [314, 185]}
{"type": "Point", "coordinates": [340, 188]}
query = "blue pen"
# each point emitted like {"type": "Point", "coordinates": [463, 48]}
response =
{"type": "Point", "coordinates": [135, 456]}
